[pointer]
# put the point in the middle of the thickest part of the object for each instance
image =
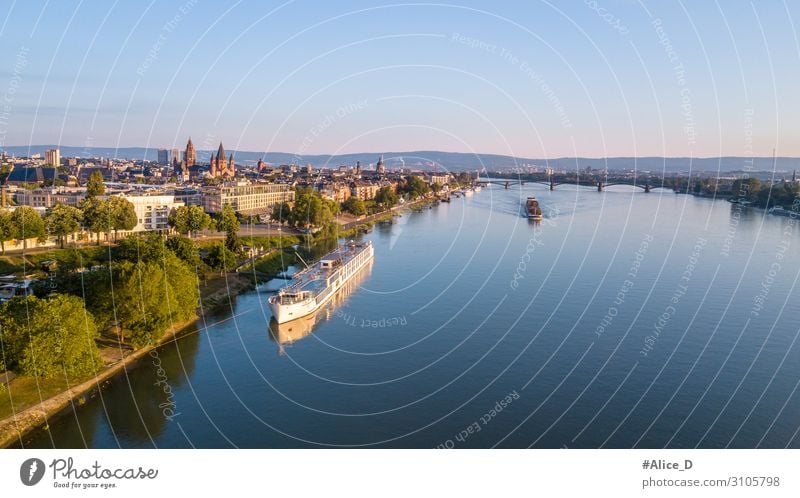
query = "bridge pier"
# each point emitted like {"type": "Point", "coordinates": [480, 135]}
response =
{"type": "Point", "coordinates": [507, 184]}
{"type": "Point", "coordinates": [646, 188]}
{"type": "Point", "coordinates": [552, 185]}
{"type": "Point", "coordinates": [599, 186]}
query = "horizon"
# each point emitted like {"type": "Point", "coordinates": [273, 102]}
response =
{"type": "Point", "coordinates": [379, 152]}
{"type": "Point", "coordinates": [533, 81]}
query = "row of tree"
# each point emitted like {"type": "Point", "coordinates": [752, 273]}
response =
{"type": "Point", "coordinates": [766, 195]}
{"type": "Point", "coordinates": [311, 209]}
{"type": "Point", "coordinates": [148, 284]}
{"type": "Point", "coordinates": [188, 220]}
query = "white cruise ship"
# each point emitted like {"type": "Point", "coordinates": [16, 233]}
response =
{"type": "Point", "coordinates": [316, 285]}
{"type": "Point", "coordinates": [287, 333]}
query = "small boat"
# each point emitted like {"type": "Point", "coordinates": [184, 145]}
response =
{"type": "Point", "coordinates": [780, 211]}
{"type": "Point", "coordinates": [533, 210]}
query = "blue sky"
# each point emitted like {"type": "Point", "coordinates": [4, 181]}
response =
{"type": "Point", "coordinates": [527, 78]}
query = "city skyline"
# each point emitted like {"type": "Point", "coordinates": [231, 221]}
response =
{"type": "Point", "coordinates": [620, 79]}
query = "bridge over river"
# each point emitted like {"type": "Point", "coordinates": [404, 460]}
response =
{"type": "Point", "coordinates": [553, 182]}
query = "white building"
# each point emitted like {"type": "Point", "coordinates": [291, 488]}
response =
{"type": "Point", "coordinates": [152, 211]}
{"type": "Point", "coordinates": [257, 198]}
{"type": "Point", "coordinates": [440, 179]}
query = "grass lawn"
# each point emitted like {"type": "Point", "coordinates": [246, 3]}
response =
{"type": "Point", "coordinates": [17, 263]}
{"type": "Point", "coordinates": [24, 393]}
{"type": "Point", "coordinates": [276, 262]}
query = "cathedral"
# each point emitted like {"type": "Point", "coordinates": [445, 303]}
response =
{"type": "Point", "coordinates": [220, 166]}
{"type": "Point", "coordinates": [181, 168]}
{"type": "Point", "coordinates": [190, 156]}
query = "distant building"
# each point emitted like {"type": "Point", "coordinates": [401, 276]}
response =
{"type": "Point", "coordinates": [23, 175]}
{"type": "Point", "coordinates": [336, 191]}
{"type": "Point", "coordinates": [85, 172]}
{"type": "Point", "coordinates": [189, 196]}
{"type": "Point", "coordinates": [440, 179]}
{"type": "Point", "coordinates": [190, 156]}
{"type": "Point", "coordinates": [168, 156]}
{"type": "Point", "coordinates": [52, 158]}
{"type": "Point", "coordinates": [380, 168]}
{"type": "Point", "coordinates": [366, 191]}
{"type": "Point", "coordinates": [49, 197]}
{"type": "Point", "coordinates": [220, 166]}
{"type": "Point", "coordinates": [257, 198]}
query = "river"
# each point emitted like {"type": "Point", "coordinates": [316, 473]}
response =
{"type": "Point", "coordinates": [622, 320]}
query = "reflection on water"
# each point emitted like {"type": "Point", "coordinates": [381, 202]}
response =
{"type": "Point", "coordinates": [288, 333]}
{"type": "Point", "coordinates": [137, 406]}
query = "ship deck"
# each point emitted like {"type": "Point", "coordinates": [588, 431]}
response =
{"type": "Point", "coordinates": [313, 278]}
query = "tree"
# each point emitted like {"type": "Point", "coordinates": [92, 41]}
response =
{"type": "Point", "coordinates": [188, 220]}
{"type": "Point", "coordinates": [143, 275]}
{"type": "Point", "coordinates": [229, 223]}
{"type": "Point", "coordinates": [281, 212]}
{"type": "Point", "coordinates": [310, 209]}
{"type": "Point", "coordinates": [185, 249]}
{"type": "Point", "coordinates": [147, 246]}
{"type": "Point", "coordinates": [62, 221]}
{"type": "Point", "coordinates": [27, 224]}
{"type": "Point", "coordinates": [355, 206]}
{"type": "Point", "coordinates": [152, 288]}
{"type": "Point", "coordinates": [95, 186]}
{"type": "Point", "coordinates": [178, 219]}
{"type": "Point", "coordinates": [97, 216]}
{"type": "Point", "coordinates": [122, 213]}
{"type": "Point", "coordinates": [220, 258]}
{"type": "Point", "coordinates": [332, 206]}
{"type": "Point", "coordinates": [6, 229]}
{"type": "Point", "coordinates": [746, 189]}
{"type": "Point", "coordinates": [144, 298]}
{"type": "Point", "coordinates": [49, 338]}
{"type": "Point", "coordinates": [386, 197]}
{"type": "Point", "coordinates": [414, 186]}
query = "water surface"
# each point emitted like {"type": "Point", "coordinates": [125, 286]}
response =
{"type": "Point", "coordinates": [477, 328]}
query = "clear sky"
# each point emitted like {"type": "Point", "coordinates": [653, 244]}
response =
{"type": "Point", "coordinates": [528, 78]}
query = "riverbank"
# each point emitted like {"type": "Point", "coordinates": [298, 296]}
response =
{"type": "Point", "coordinates": [14, 427]}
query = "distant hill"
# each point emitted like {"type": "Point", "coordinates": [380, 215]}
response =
{"type": "Point", "coordinates": [450, 161]}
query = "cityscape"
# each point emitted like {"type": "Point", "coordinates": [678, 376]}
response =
{"type": "Point", "coordinates": [305, 225]}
